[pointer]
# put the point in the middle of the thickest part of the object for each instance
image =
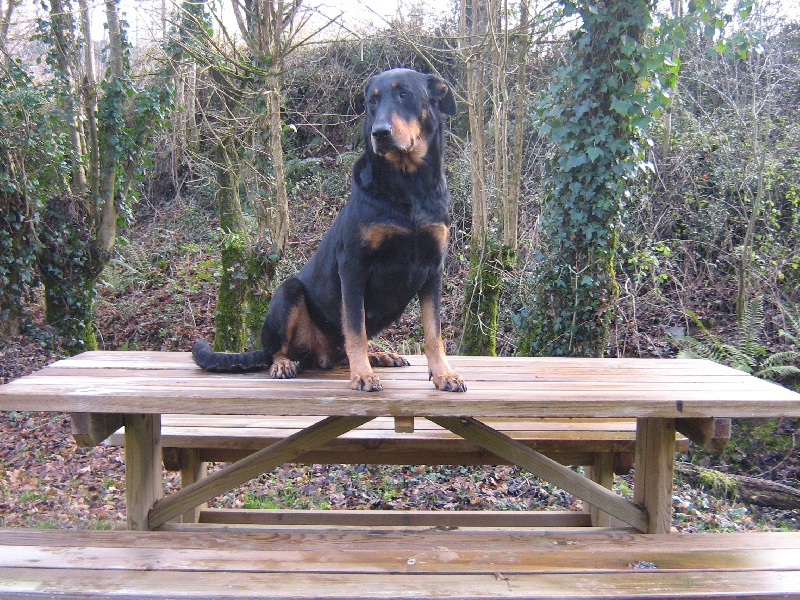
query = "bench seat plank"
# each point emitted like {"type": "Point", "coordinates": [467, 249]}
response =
{"type": "Point", "coordinates": [418, 563]}
{"type": "Point", "coordinates": [75, 584]}
{"type": "Point", "coordinates": [226, 438]}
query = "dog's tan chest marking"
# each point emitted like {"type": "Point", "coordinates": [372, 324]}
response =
{"type": "Point", "coordinates": [439, 233]}
{"type": "Point", "coordinates": [375, 236]}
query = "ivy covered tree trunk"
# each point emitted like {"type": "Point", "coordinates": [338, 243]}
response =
{"type": "Point", "coordinates": [593, 114]}
{"type": "Point", "coordinates": [18, 245]}
{"type": "Point", "coordinates": [107, 125]}
{"type": "Point", "coordinates": [69, 265]}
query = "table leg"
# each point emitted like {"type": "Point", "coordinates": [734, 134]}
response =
{"type": "Point", "coordinates": [192, 470]}
{"type": "Point", "coordinates": [602, 472]}
{"type": "Point", "coordinates": [144, 478]}
{"type": "Point", "coordinates": [654, 469]}
{"type": "Point", "coordinates": [286, 450]}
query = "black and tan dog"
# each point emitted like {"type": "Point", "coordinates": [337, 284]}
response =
{"type": "Point", "coordinates": [385, 246]}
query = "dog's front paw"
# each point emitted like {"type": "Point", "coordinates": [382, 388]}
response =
{"type": "Point", "coordinates": [368, 382]}
{"type": "Point", "coordinates": [387, 359]}
{"type": "Point", "coordinates": [283, 368]}
{"type": "Point", "coordinates": [449, 382]}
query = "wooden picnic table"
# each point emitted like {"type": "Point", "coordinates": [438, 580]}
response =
{"type": "Point", "coordinates": [134, 389]}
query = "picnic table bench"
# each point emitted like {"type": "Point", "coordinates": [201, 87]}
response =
{"type": "Point", "coordinates": [514, 408]}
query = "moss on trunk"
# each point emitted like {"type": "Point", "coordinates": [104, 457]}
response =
{"type": "Point", "coordinates": [229, 316]}
{"type": "Point", "coordinates": [482, 298]}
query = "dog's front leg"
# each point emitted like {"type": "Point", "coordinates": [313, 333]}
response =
{"type": "Point", "coordinates": [356, 344]}
{"type": "Point", "coordinates": [443, 377]}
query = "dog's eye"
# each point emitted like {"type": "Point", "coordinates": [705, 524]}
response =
{"type": "Point", "coordinates": [373, 100]}
{"type": "Point", "coordinates": [404, 94]}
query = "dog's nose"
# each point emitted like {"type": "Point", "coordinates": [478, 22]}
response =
{"type": "Point", "coordinates": [381, 132]}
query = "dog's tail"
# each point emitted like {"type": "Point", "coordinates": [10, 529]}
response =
{"type": "Point", "coordinates": [229, 362]}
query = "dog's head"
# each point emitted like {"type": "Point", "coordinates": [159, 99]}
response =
{"type": "Point", "coordinates": [404, 115]}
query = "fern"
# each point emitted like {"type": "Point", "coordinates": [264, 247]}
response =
{"type": "Point", "coordinates": [750, 329]}
{"type": "Point", "coordinates": [749, 353]}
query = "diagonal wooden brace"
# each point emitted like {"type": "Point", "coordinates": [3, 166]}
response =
{"type": "Point", "coordinates": [546, 468]}
{"type": "Point", "coordinates": [252, 466]}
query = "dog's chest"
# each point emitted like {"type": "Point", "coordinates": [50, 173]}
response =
{"type": "Point", "coordinates": [422, 244]}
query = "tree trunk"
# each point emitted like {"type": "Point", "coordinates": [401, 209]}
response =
{"type": "Point", "coordinates": [751, 490]}
{"type": "Point", "coordinates": [106, 200]}
{"type": "Point", "coordinates": [17, 257]}
{"type": "Point", "coordinates": [482, 299]}
{"type": "Point", "coordinates": [69, 264]}
{"type": "Point", "coordinates": [229, 316]}
{"type": "Point", "coordinates": [479, 336]}
{"type": "Point", "coordinates": [574, 286]}
{"type": "Point", "coordinates": [511, 205]}
{"type": "Point", "coordinates": [6, 11]}
{"type": "Point", "coordinates": [280, 224]}
{"type": "Point", "coordinates": [67, 57]}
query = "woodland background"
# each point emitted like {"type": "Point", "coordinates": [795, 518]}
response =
{"type": "Point", "coordinates": [624, 178]}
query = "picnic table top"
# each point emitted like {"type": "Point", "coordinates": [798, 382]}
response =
{"type": "Point", "coordinates": [169, 382]}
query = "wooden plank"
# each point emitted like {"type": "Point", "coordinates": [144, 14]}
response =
{"type": "Point", "coordinates": [389, 551]}
{"type": "Point", "coordinates": [396, 518]}
{"type": "Point", "coordinates": [299, 557]}
{"type": "Point", "coordinates": [17, 583]}
{"type": "Point", "coordinates": [633, 381]}
{"type": "Point", "coordinates": [91, 429]}
{"type": "Point", "coordinates": [262, 421]}
{"type": "Point", "coordinates": [711, 434]}
{"type": "Point", "coordinates": [479, 374]}
{"type": "Point", "coordinates": [137, 360]}
{"type": "Point", "coordinates": [524, 541]}
{"type": "Point", "coordinates": [548, 469]}
{"type": "Point", "coordinates": [401, 456]}
{"type": "Point", "coordinates": [655, 466]}
{"type": "Point", "coordinates": [754, 398]}
{"type": "Point", "coordinates": [250, 467]}
{"type": "Point", "coordinates": [144, 480]}
{"type": "Point", "coordinates": [192, 470]}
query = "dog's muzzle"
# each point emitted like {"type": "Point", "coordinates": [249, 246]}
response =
{"type": "Point", "coordinates": [382, 139]}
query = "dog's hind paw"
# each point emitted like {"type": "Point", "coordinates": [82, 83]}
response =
{"type": "Point", "coordinates": [366, 383]}
{"type": "Point", "coordinates": [387, 359]}
{"type": "Point", "coordinates": [450, 382]}
{"type": "Point", "coordinates": [284, 368]}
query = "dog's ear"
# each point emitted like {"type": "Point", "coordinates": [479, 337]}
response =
{"type": "Point", "coordinates": [368, 88]}
{"type": "Point", "coordinates": [440, 91]}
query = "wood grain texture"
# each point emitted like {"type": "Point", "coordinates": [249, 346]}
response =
{"type": "Point", "coordinates": [655, 467]}
{"type": "Point", "coordinates": [168, 382]}
{"type": "Point", "coordinates": [386, 563]}
{"type": "Point", "coordinates": [547, 469]}
{"type": "Point", "coordinates": [92, 429]}
{"type": "Point", "coordinates": [246, 469]}
{"type": "Point", "coordinates": [226, 438]}
{"type": "Point", "coordinates": [144, 479]}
